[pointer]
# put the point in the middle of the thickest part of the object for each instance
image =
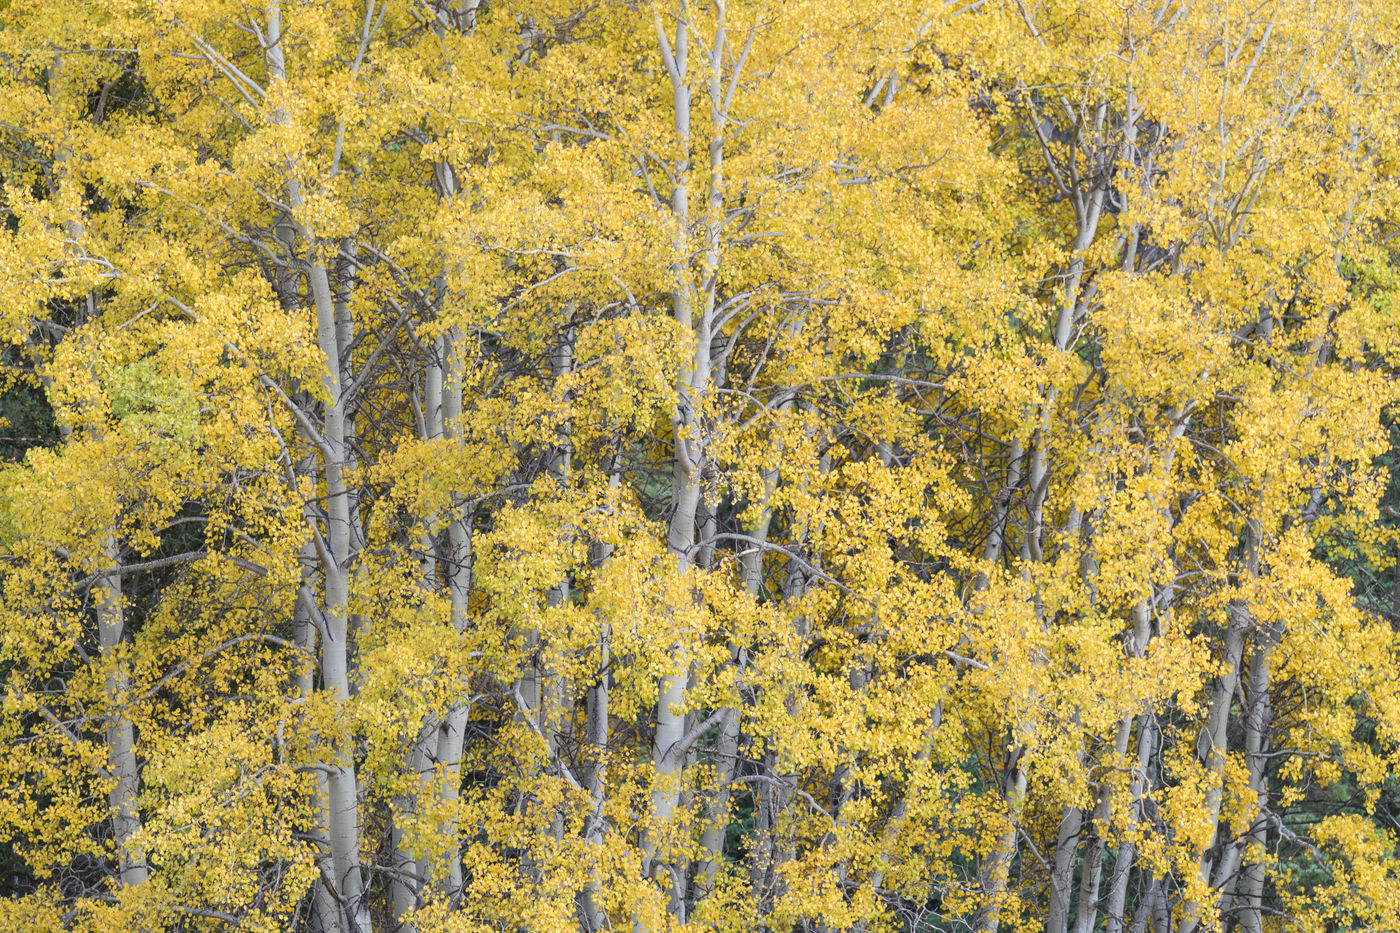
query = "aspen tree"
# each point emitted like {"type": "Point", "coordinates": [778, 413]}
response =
{"type": "Point", "coordinates": [701, 465]}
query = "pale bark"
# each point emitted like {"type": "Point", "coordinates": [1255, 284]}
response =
{"type": "Point", "coordinates": [667, 756]}
{"type": "Point", "coordinates": [342, 814]}
{"type": "Point", "coordinates": [109, 608]}
{"type": "Point", "coordinates": [771, 848]}
{"type": "Point", "coordinates": [1212, 750]}
{"type": "Point", "coordinates": [1092, 874]}
{"type": "Point", "coordinates": [995, 870]}
{"type": "Point", "coordinates": [667, 759]}
{"type": "Point", "coordinates": [435, 757]}
{"type": "Point", "coordinates": [727, 740]}
{"type": "Point", "coordinates": [453, 729]}
{"type": "Point", "coordinates": [407, 880]}
{"type": "Point", "coordinates": [595, 784]}
{"type": "Point", "coordinates": [1114, 918]}
{"type": "Point", "coordinates": [993, 876]}
{"type": "Point", "coordinates": [595, 771]}
{"type": "Point", "coordinates": [1245, 877]}
{"type": "Point", "coordinates": [444, 742]}
{"type": "Point", "coordinates": [325, 910]}
{"type": "Point", "coordinates": [121, 734]}
{"type": "Point", "coordinates": [1140, 637]}
{"type": "Point", "coordinates": [1087, 193]}
{"type": "Point", "coordinates": [446, 875]}
{"type": "Point", "coordinates": [1062, 869]}
{"type": "Point", "coordinates": [553, 722]}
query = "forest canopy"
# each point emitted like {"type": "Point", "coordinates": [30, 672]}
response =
{"type": "Point", "coordinates": [728, 465]}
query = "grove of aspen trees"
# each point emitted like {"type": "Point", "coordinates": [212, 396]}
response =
{"type": "Point", "coordinates": [567, 466]}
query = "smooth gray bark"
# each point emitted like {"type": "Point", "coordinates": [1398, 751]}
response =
{"type": "Point", "coordinates": [668, 757]}
{"type": "Point", "coordinates": [336, 544]}
{"type": "Point", "coordinates": [120, 733]}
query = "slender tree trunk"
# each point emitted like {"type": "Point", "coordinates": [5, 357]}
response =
{"type": "Point", "coordinates": [109, 608]}
{"type": "Point", "coordinates": [452, 733]}
{"type": "Point", "coordinates": [1088, 207]}
{"type": "Point", "coordinates": [771, 847]}
{"type": "Point", "coordinates": [667, 756]}
{"type": "Point", "coordinates": [443, 390]}
{"type": "Point", "coordinates": [996, 868]}
{"type": "Point", "coordinates": [1114, 917]}
{"type": "Point", "coordinates": [595, 771]}
{"type": "Point", "coordinates": [1062, 869]}
{"type": "Point", "coordinates": [1245, 878]}
{"type": "Point", "coordinates": [121, 734]}
{"type": "Point", "coordinates": [1212, 749]}
{"type": "Point", "coordinates": [325, 910]}
{"type": "Point", "coordinates": [727, 741]}
{"type": "Point", "coordinates": [554, 724]}
{"type": "Point", "coordinates": [436, 755]}
{"type": "Point", "coordinates": [407, 880]}
{"type": "Point", "coordinates": [1092, 874]}
{"type": "Point", "coordinates": [342, 815]}
{"type": "Point", "coordinates": [595, 784]}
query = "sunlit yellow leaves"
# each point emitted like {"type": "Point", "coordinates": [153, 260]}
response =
{"type": "Point", "coordinates": [1029, 367]}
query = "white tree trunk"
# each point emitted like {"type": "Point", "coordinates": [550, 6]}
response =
{"type": "Point", "coordinates": [667, 757]}
{"type": "Point", "coordinates": [121, 734]}
{"type": "Point", "coordinates": [342, 816]}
